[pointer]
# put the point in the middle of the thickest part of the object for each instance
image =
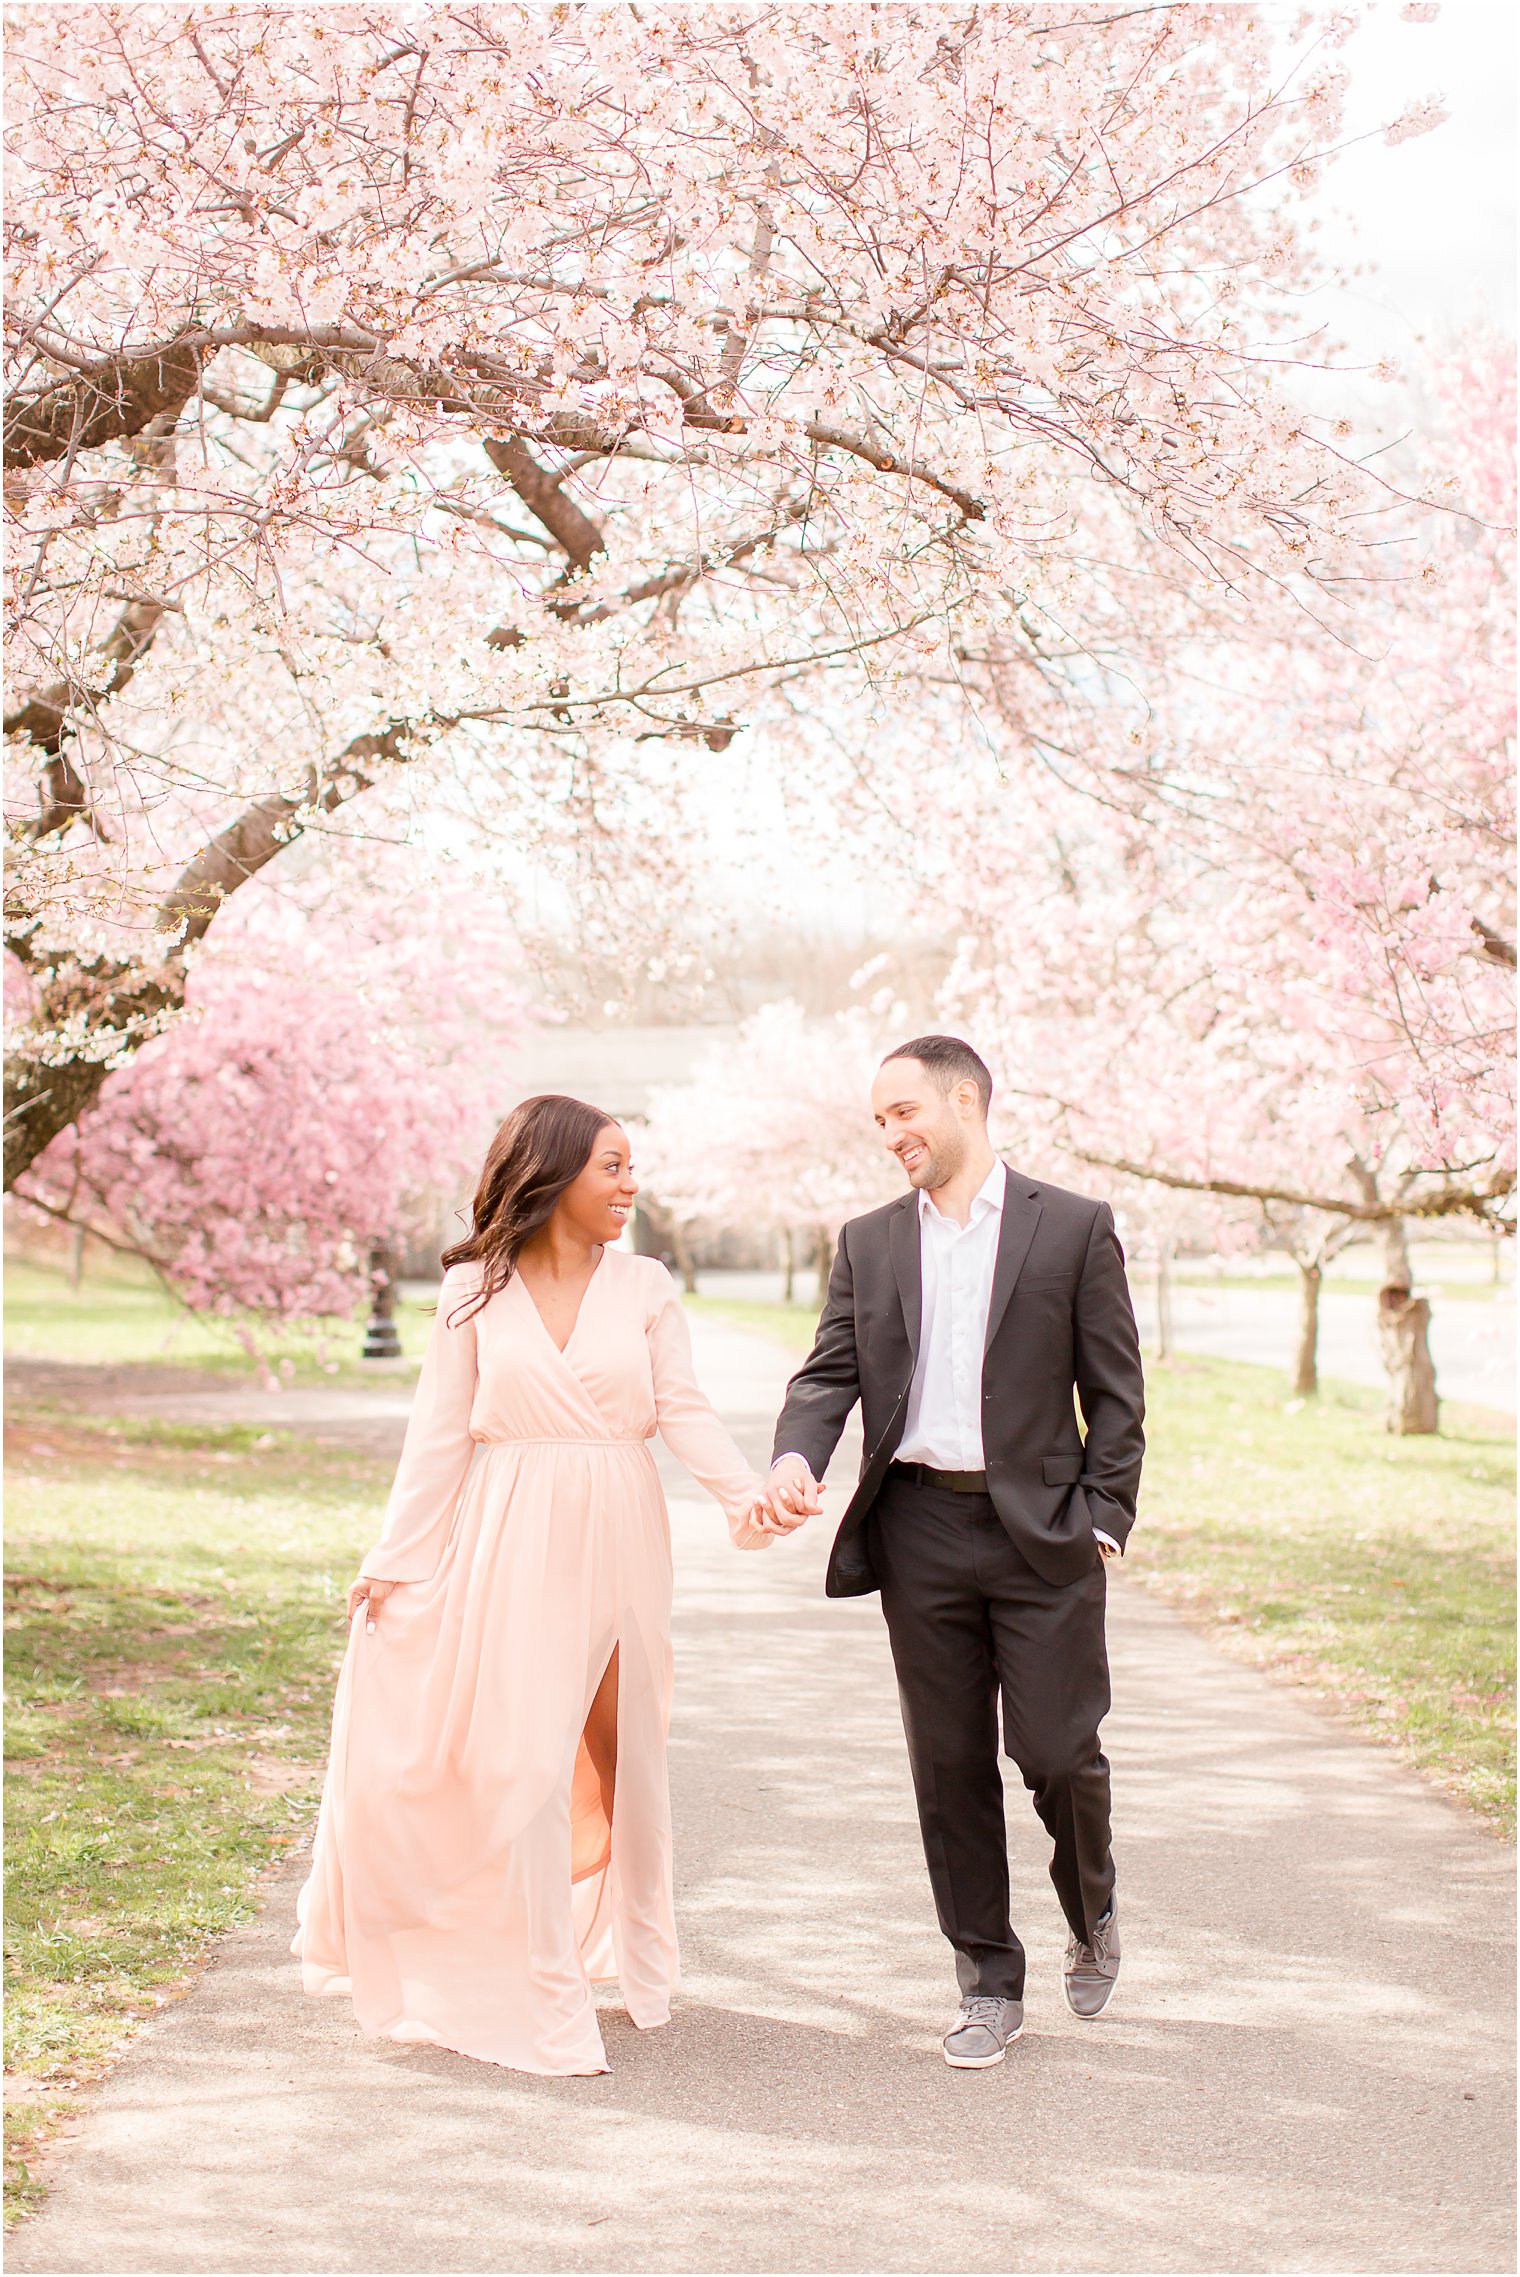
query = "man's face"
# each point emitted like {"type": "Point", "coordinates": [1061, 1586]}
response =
{"type": "Point", "coordinates": [926, 1128]}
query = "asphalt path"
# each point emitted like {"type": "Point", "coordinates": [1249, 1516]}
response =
{"type": "Point", "coordinates": [1306, 2066]}
{"type": "Point", "coordinates": [1472, 1339]}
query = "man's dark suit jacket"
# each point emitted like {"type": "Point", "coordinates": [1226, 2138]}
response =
{"type": "Point", "coordinates": [1060, 1321]}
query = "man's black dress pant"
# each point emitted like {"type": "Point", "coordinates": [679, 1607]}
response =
{"type": "Point", "coordinates": [969, 1619]}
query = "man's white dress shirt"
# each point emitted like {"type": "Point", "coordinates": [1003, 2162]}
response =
{"type": "Point", "coordinates": [943, 1427]}
{"type": "Point", "coordinates": [944, 1420]}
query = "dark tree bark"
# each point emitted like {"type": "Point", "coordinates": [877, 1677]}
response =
{"type": "Point", "coordinates": [109, 403]}
{"type": "Point", "coordinates": [41, 1101]}
{"type": "Point", "coordinates": [381, 1338]}
{"type": "Point", "coordinates": [44, 718]}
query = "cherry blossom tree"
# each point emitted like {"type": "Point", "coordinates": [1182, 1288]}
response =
{"type": "Point", "coordinates": [1277, 967]}
{"type": "Point", "coordinates": [774, 1130]}
{"type": "Point", "coordinates": [328, 1074]}
{"type": "Point", "coordinates": [502, 406]}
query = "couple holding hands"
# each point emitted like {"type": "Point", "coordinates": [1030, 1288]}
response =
{"type": "Point", "coordinates": [494, 1836]}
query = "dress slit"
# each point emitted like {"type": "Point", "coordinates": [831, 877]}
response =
{"type": "Point", "coordinates": [594, 1784]}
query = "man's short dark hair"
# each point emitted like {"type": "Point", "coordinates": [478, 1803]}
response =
{"type": "Point", "coordinates": [949, 1061]}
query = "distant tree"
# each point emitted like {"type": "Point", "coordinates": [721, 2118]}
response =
{"type": "Point", "coordinates": [322, 1078]}
{"type": "Point", "coordinates": [774, 1130]}
{"type": "Point", "coordinates": [1277, 965]}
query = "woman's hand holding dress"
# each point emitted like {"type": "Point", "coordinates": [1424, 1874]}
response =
{"type": "Point", "coordinates": [371, 1595]}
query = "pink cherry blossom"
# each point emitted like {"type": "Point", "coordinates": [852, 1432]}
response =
{"type": "Point", "coordinates": [330, 1075]}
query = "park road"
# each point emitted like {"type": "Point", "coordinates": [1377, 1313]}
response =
{"type": "Point", "coordinates": [1306, 2065]}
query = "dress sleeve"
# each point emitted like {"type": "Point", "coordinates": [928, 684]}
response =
{"type": "Point", "coordinates": [438, 1448]}
{"type": "Point", "coordinates": [689, 1424]}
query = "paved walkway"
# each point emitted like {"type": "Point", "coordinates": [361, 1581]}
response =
{"type": "Point", "coordinates": [1472, 1339]}
{"type": "Point", "coordinates": [1305, 2068]}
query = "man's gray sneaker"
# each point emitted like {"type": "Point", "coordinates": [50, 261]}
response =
{"type": "Point", "coordinates": [981, 2033]}
{"type": "Point", "coordinates": [1091, 1969]}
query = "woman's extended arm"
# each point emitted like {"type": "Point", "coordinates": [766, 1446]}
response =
{"type": "Point", "coordinates": [438, 1448]}
{"type": "Point", "coordinates": [690, 1427]}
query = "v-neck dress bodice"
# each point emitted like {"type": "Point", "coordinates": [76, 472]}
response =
{"type": "Point", "coordinates": [467, 1884]}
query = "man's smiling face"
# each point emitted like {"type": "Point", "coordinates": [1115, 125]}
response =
{"type": "Point", "coordinates": [926, 1128]}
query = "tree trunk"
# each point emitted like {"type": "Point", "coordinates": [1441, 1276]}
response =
{"type": "Point", "coordinates": [1163, 1300]}
{"type": "Point", "coordinates": [381, 1340]}
{"type": "Point", "coordinates": [684, 1266]}
{"type": "Point", "coordinates": [1394, 1243]}
{"type": "Point", "coordinates": [823, 1259]}
{"type": "Point", "coordinates": [122, 1003]}
{"type": "Point", "coordinates": [1306, 1351]}
{"type": "Point", "coordinates": [76, 1256]}
{"type": "Point", "coordinates": [42, 1101]}
{"type": "Point", "coordinates": [788, 1266]}
{"type": "Point", "coordinates": [1404, 1335]}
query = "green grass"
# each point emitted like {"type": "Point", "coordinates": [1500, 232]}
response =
{"type": "Point", "coordinates": [1333, 1285]}
{"type": "Point", "coordinates": [174, 1624]}
{"type": "Point", "coordinates": [791, 1325]}
{"type": "Point", "coordinates": [1379, 1571]}
{"type": "Point", "coordinates": [121, 1315]}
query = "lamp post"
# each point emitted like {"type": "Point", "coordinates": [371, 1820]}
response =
{"type": "Point", "coordinates": [381, 1341]}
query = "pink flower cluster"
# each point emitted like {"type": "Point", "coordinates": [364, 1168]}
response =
{"type": "Point", "coordinates": [330, 1074]}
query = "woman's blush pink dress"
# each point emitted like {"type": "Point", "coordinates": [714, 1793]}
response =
{"type": "Point", "coordinates": [466, 1887]}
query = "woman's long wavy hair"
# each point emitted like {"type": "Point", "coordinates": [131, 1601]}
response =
{"type": "Point", "coordinates": [541, 1148]}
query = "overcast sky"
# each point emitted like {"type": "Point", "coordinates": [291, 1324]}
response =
{"type": "Point", "coordinates": [1433, 219]}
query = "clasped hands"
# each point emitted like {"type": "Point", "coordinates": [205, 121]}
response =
{"type": "Point", "coordinates": [791, 1496]}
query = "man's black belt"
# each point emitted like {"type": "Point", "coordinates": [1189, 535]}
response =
{"type": "Point", "coordinates": [959, 1482]}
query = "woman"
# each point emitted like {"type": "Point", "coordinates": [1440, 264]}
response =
{"type": "Point", "coordinates": [495, 1830]}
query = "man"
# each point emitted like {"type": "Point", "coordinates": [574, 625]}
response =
{"type": "Point", "coordinates": [963, 1317]}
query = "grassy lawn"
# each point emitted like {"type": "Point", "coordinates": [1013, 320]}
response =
{"type": "Point", "coordinates": [121, 1315]}
{"type": "Point", "coordinates": [1464, 1292]}
{"type": "Point", "coordinates": [1379, 1571]}
{"type": "Point", "coordinates": [173, 1627]}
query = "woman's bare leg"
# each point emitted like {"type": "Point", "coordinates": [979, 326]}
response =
{"type": "Point", "coordinates": [600, 1733]}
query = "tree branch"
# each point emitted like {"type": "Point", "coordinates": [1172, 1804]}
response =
{"type": "Point", "coordinates": [1495, 945]}
{"type": "Point", "coordinates": [886, 462]}
{"type": "Point", "coordinates": [105, 403]}
{"type": "Point", "coordinates": [265, 828]}
{"type": "Point", "coordinates": [1449, 1200]}
{"type": "Point", "coordinates": [44, 717]}
{"type": "Point", "coordinates": [122, 1003]}
{"type": "Point", "coordinates": [543, 497]}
